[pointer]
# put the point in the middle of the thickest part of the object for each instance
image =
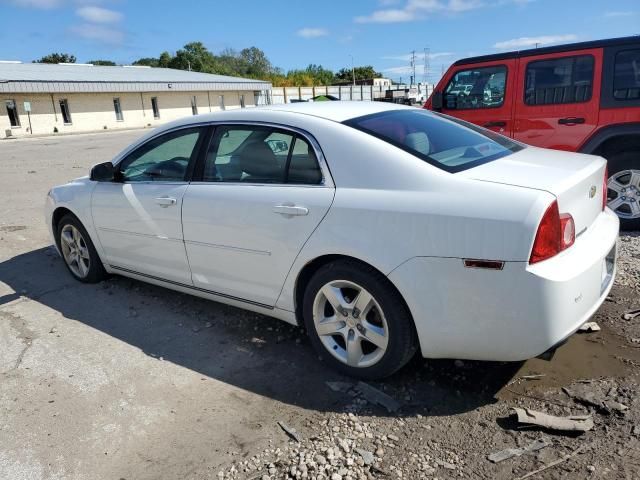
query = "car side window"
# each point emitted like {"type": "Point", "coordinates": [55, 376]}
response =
{"type": "Point", "coordinates": [303, 165]}
{"type": "Point", "coordinates": [257, 154]}
{"type": "Point", "coordinates": [476, 88]}
{"type": "Point", "coordinates": [626, 75]}
{"type": "Point", "coordinates": [165, 158]}
{"type": "Point", "coordinates": [559, 80]}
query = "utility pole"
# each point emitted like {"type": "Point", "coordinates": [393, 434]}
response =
{"type": "Point", "coordinates": [353, 70]}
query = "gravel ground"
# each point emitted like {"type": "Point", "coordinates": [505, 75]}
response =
{"type": "Point", "coordinates": [124, 380]}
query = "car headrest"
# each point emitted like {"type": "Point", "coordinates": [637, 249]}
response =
{"type": "Point", "coordinates": [257, 159]}
{"type": "Point", "coordinates": [418, 141]}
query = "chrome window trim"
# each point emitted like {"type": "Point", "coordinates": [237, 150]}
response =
{"type": "Point", "coordinates": [327, 179]}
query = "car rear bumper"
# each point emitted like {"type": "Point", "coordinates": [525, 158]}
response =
{"type": "Point", "coordinates": [511, 314]}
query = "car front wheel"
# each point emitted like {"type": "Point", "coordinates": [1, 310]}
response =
{"type": "Point", "coordinates": [357, 321]}
{"type": "Point", "coordinates": [78, 252]}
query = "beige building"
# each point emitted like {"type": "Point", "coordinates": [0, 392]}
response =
{"type": "Point", "coordinates": [46, 99]}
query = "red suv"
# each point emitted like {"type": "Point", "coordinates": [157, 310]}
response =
{"type": "Point", "coordinates": [582, 97]}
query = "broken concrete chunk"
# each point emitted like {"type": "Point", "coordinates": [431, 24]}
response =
{"type": "Point", "coordinates": [582, 423]}
{"type": "Point", "coordinates": [615, 406]}
{"type": "Point", "coordinates": [516, 452]}
{"type": "Point", "coordinates": [373, 395]}
{"type": "Point", "coordinates": [589, 327]}
{"type": "Point", "coordinates": [290, 431]}
{"type": "Point", "coordinates": [366, 456]}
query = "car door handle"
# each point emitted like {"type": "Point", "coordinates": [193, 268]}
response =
{"type": "Point", "coordinates": [571, 121]}
{"type": "Point", "coordinates": [165, 202]}
{"type": "Point", "coordinates": [497, 123]}
{"type": "Point", "coordinates": [290, 210]}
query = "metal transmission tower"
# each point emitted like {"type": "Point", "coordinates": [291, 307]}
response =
{"type": "Point", "coordinates": [413, 67]}
{"type": "Point", "coordinates": [427, 66]}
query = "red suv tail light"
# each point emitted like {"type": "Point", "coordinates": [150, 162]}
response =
{"type": "Point", "coordinates": [604, 187]}
{"type": "Point", "coordinates": [555, 233]}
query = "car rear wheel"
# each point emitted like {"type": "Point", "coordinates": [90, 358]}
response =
{"type": "Point", "coordinates": [623, 188]}
{"type": "Point", "coordinates": [78, 252]}
{"type": "Point", "coordinates": [357, 321]}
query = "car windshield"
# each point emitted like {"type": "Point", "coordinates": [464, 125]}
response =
{"type": "Point", "coordinates": [448, 143]}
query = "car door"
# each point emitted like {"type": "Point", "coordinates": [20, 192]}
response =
{"type": "Point", "coordinates": [138, 215]}
{"type": "Point", "coordinates": [557, 102]}
{"type": "Point", "coordinates": [261, 192]}
{"type": "Point", "coordinates": [482, 94]}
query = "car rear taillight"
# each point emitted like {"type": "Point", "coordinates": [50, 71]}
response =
{"type": "Point", "coordinates": [555, 233]}
{"type": "Point", "coordinates": [604, 187]}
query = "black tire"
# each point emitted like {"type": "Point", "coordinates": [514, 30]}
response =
{"type": "Point", "coordinates": [402, 339]}
{"type": "Point", "coordinates": [96, 271]}
{"type": "Point", "coordinates": [618, 162]}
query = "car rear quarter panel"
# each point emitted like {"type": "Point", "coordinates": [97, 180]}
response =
{"type": "Point", "coordinates": [391, 206]}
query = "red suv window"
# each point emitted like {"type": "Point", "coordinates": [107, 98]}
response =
{"type": "Point", "coordinates": [559, 80]}
{"type": "Point", "coordinates": [476, 88]}
{"type": "Point", "coordinates": [626, 76]}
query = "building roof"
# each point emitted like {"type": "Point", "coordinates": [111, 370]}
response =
{"type": "Point", "coordinates": [567, 47]}
{"type": "Point", "coordinates": [54, 78]}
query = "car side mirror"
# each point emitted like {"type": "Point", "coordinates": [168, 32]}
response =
{"type": "Point", "coordinates": [103, 172]}
{"type": "Point", "coordinates": [436, 101]}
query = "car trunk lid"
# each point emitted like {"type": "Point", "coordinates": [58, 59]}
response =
{"type": "Point", "coordinates": [576, 180]}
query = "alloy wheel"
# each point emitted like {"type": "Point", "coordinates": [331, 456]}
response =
{"type": "Point", "coordinates": [350, 324]}
{"type": "Point", "coordinates": [75, 251]}
{"type": "Point", "coordinates": [623, 193]}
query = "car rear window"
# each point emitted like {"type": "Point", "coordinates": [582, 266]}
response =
{"type": "Point", "coordinates": [448, 143]}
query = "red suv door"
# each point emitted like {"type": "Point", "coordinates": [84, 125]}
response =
{"type": "Point", "coordinates": [557, 98]}
{"type": "Point", "coordinates": [482, 94]}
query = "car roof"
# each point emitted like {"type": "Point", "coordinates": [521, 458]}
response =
{"type": "Point", "coordinates": [336, 111]}
{"type": "Point", "coordinates": [567, 47]}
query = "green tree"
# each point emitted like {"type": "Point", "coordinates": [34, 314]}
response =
{"type": "Point", "coordinates": [321, 76]}
{"type": "Point", "coordinates": [193, 56]}
{"type": "Point", "coordinates": [361, 73]}
{"type": "Point", "coordinates": [57, 58]}
{"type": "Point", "coordinates": [146, 62]}
{"type": "Point", "coordinates": [164, 60]}
{"type": "Point", "coordinates": [254, 62]}
{"type": "Point", "coordinates": [103, 63]}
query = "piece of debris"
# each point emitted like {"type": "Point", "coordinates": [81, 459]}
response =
{"type": "Point", "coordinates": [581, 423]}
{"type": "Point", "coordinates": [553, 464]}
{"type": "Point", "coordinates": [615, 406]}
{"type": "Point", "coordinates": [367, 456]}
{"type": "Point", "coordinates": [458, 363]}
{"type": "Point", "coordinates": [585, 396]}
{"type": "Point", "coordinates": [630, 315]}
{"type": "Point", "coordinates": [373, 395]}
{"type": "Point", "coordinates": [508, 453]}
{"type": "Point", "coordinates": [589, 327]}
{"type": "Point", "coordinates": [342, 387]}
{"type": "Point", "coordinates": [533, 377]}
{"type": "Point", "coordinates": [292, 432]}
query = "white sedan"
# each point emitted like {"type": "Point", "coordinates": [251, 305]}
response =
{"type": "Point", "coordinates": [381, 229]}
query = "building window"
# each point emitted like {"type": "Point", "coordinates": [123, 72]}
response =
{"type": "Point", "coordinates": [626, 76]}
{"type": "Point", "coordinates": [559, 80]}
{"type": "Point", "coordinates": [64, 109]}
{"type": "Point", "coordinates": [194, 105]}
{"type": "Point", "coordinates": [154, 107]}
{"type": "Point", "coordinates": [12, 111]}
{"type": "Point", "coordinates": [241, 101]}
{"type": "Point", "coordinates": [118, 109]}
{"type": "Point", "coordinates": [221, 102]}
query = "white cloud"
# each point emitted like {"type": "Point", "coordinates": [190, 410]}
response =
{"type": "Point", "coordinates": [98, 15]}
{"type": "Point", "coordinates": [419, 9]}
{"type": "Point", "coordinates": [525, 42]}
{"type": "Point", "coordinates": [312, 32]}
{"type": "Point", "coordinates": [99, 33]}
{"type": "Point", "coordinates": [620, 14]}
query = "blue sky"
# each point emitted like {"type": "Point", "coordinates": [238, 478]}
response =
{"type": "Point", "coordinates": [294, 33]}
